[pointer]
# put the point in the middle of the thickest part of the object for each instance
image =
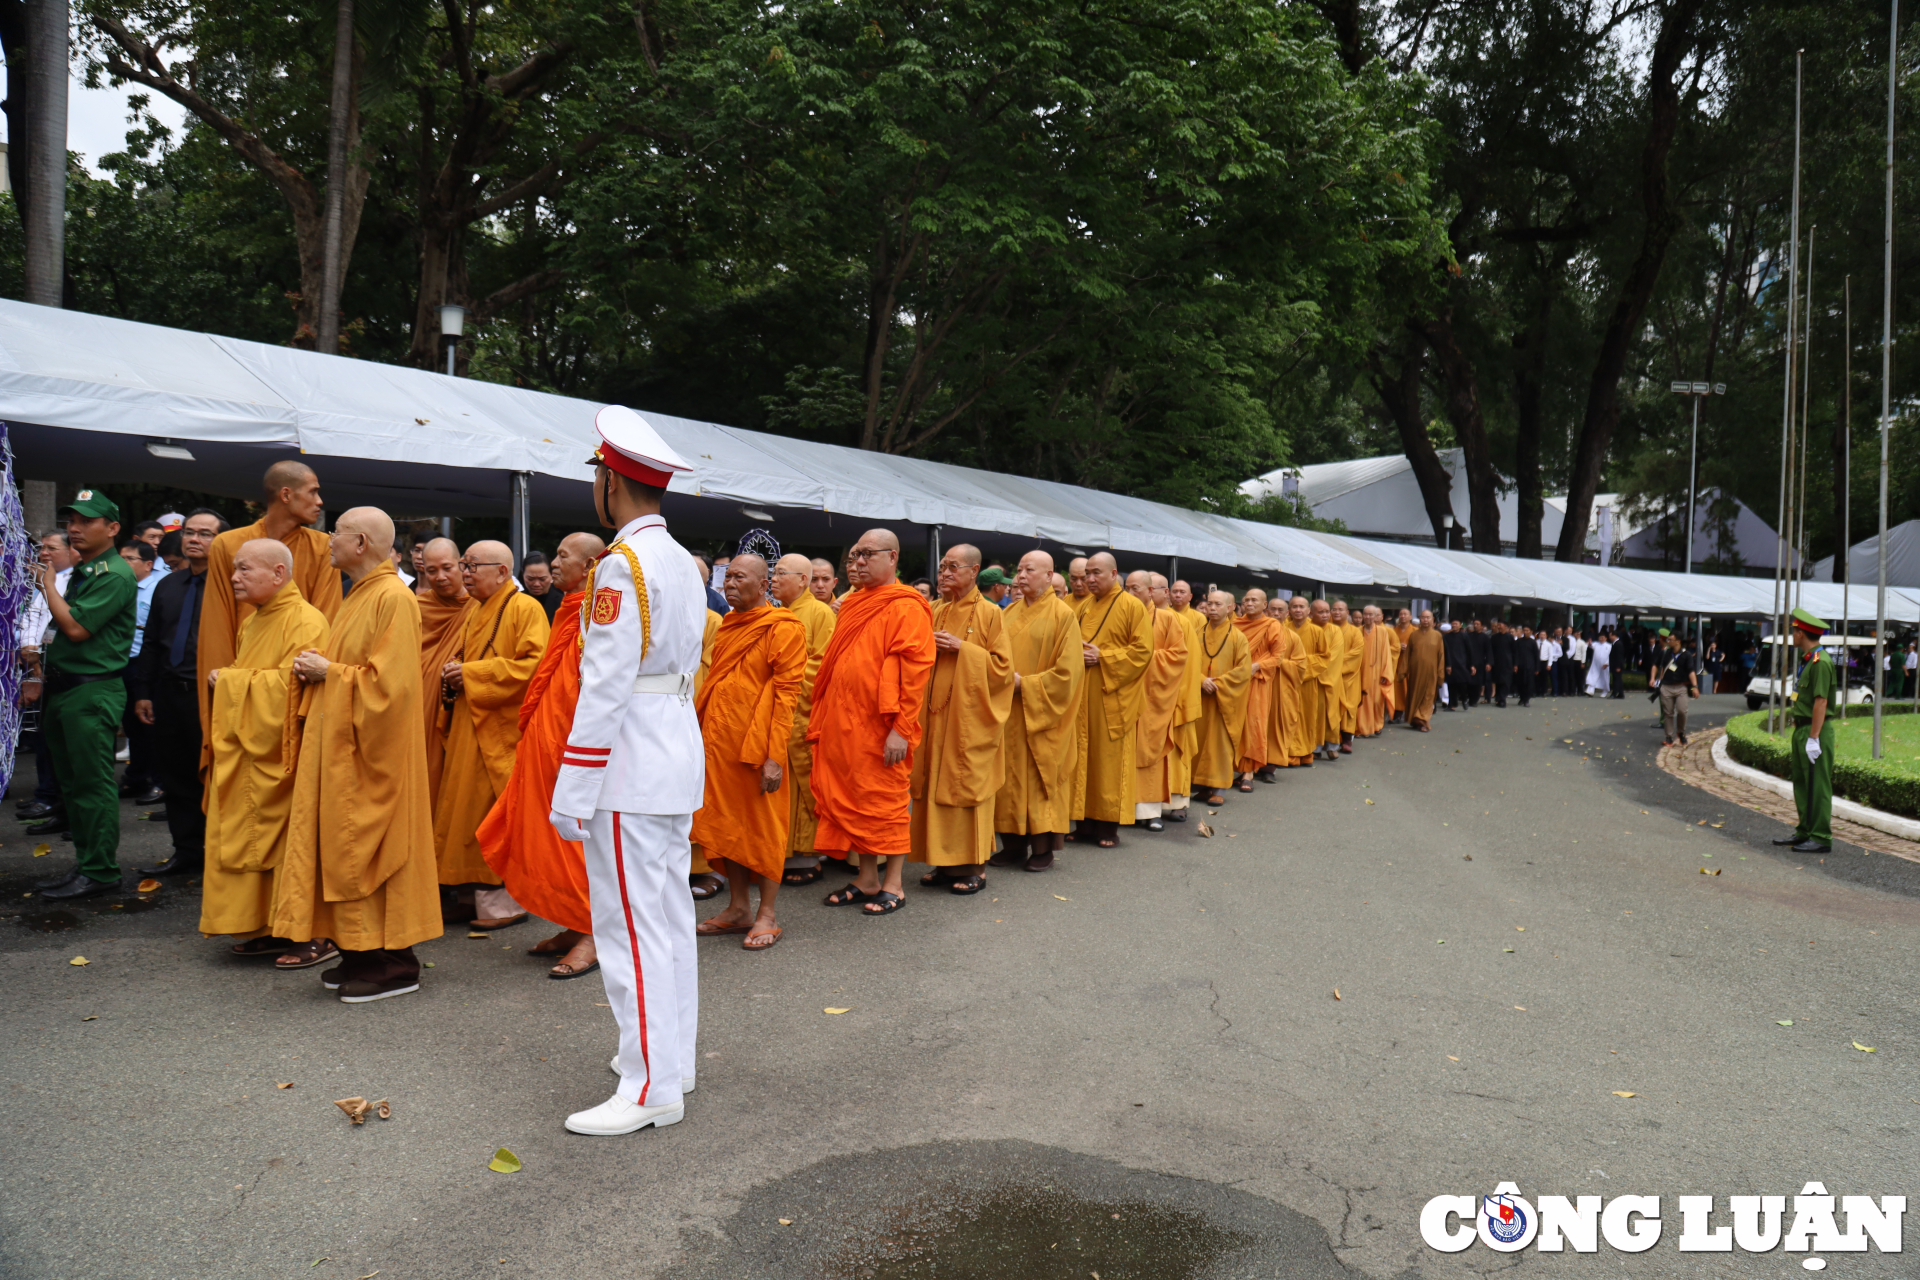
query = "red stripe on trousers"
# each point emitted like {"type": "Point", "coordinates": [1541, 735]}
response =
{"type": "Point", "coordinates": [633, 941]}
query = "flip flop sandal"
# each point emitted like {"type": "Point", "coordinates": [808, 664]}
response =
{"type": "Point", "coordinates": [707, 888]}
{"type": "Point", "coordinates": [262, 947]}
{"type": "Point", "coordinates": [761, 941]}
{"type": "Point", "coordinates": [966, 885]}
{"type": "Point", "coordinates": [542, 949]}
{"type": "Point", "coordinates": [804, 875]}
{"type": "Point", "coordinates": [505, 922]}
{"type": "Point", "coordinates": [305, 955]}
{"type": "Point", "coordinates": [557, 976]}
{"type": "Point", "coordinates": [886, 901]}
{"type": "Point", "coordinates": [1238, 786]}
{"type": "Point", "coordinates": [847, 896]}
{"type": "Point", "coordinates": [708, 929]}
{"type": "Point", "coordinates": [1176, 815]}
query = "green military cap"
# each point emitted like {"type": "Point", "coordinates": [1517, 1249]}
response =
{"type": "Point", "coordinates": [92, 504]}
{"type": "Point", "coordinates": [993, 576]}
{"type": "Point", "coordinates": [1664, 633]}
{"type": "Point", "coordinates": [1808, 623]}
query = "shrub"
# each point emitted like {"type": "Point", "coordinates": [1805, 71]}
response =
{"type": "Point", "coordinates": [1873, 783]}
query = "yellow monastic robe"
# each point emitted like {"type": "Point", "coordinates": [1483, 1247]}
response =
{"type": "Point", "coordinates": [960, 766]}
{"type": "Point", "coordinates": [1318, 647]}
{"type": "Point", "coordinates": [500, 647]}
{"type": "Point", "coordinates": [1041, 738]}
{"type": "Point", "coordinates": [1223, 657]}
{"type": "Point", "coordinates": [1165, 685]}
{"type": "Point", "coordinates": [1287, 725]}
{"type": "Point", "coordinates": [359, 865]}
{"type": "Point", "coordinates": [1425, 658]}
{"type": "Point", "coordinates": [818, 620]}
{"type": "Point", "coordinates": [1376, 681]}
{"type": "Point", "coordinates": [442, 631]}
{"type": "Point", "coordinates": [1396, 690]}
{"type": "Point", "coordinates": [1350, 677]}
{"type": "Point", "coordinates": [1118, 625]}
{"type": "Point", "coordinates": [250, 793]}
{"type": "Point", "coordinates": [1401, 696]}
{"type": "Point", "coordinates": [699, 866]}
{"type": "Point", "coordinates": [1186, 737]}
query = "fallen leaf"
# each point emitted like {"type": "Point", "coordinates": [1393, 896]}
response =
{"type": "Point", "coordinates": [147, 886]}
{"type": "Point", "coordinates": [42, 850]}
{"type": "Point", "coordinates": [1786, 1022]}
{"type": "Point", "coordinates": [316, 1262]}
{"type": "Point", "coordinates": [92, 1017]}
{"type": "Point", "coordinates": [79, 960]}
{"type": "Point", "coordinates": [837, 1011]}
{"type": "Point", "coordinates": [1714, 872]}
{"type": "Point", "coordinates": [287, 1085]}
{"type": "Point", "coordinates": [1369, 802]}
{"type": "Point", "coordinates": [1439, 942]}
{"type": "Point", "coordinates": [1622, 1093]}
{"type": "Point", "coordinates": [1451, 1058]}
{"type": "Point", "coordinates": [1519, 928]}
{"type": "Point", "coordinates": [1063, 899]}
{"type": "Point", "coordinates": [370, 1275]}
{"type": "Point", "coordinates": [1522, 1008]}
{"type": "Point", "coordinates": [1467, 856]}
{"type": "Point", "coordinates": [429, 964]}
{"type": "Point", "coordinates": [1204, 830]}
{"type": "Point", "coordinates": [382, 1110]}
{"type": "Point", "coordinates": [1336, 993]}
{"type": "Point", "coordinates": [356, 1108]}
{"type": "Point", "coordinates": [1508, 950]}
{"type": "Point", "coordinates": [504, 1161]}
{"type": "Point", "coordinates": [476, 935]}
{"type": "Point", "coordinates": [785, 1222]}
{"type": "Point", "coordinates": [1864, 1048]}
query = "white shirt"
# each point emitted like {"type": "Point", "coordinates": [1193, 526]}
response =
{"type": "Point", "coordinates": [32, 632]}
{"type": "Point", "coordinates": [1549, 649]}
{"type": "Point", "coordinates": [634, 752]}
{"type": "Point", "coordinates": [1577, 649]}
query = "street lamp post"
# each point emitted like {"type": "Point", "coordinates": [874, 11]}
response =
{"type": "Point", "coordinates": [453, 322]}
{"type": "Point", "coordinates": [1699, 391]}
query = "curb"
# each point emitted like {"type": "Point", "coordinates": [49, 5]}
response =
{"type": "Point", "coordinates": [1878, 819]}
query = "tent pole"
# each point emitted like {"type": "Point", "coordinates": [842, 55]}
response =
{"type": "Point", "coordinates": [519, 516]}
{"type": "Point", "coordinates": [933, 552]}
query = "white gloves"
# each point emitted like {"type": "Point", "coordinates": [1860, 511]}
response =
{"type": "Point", "coordinates": [1813, 750]}
{"type": "Point", "coordinates": [571, 829]}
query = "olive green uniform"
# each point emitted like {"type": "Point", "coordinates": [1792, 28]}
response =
{"type": "Point", "coordinates": [1813, 779]}
{"type": "Point", "coordinates": [85, 701]}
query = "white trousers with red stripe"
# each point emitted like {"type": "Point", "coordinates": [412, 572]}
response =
{"type": "Point", "coordinates": [643, 934]}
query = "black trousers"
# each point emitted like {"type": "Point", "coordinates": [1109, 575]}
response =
{"type": "Point", "coordinates": [176, 765]}
{"type": "Point", "coordinates": [1523, 684]}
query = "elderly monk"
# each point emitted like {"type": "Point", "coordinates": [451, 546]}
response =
{"type": "Point", "coordinates": [1376, 674]}
{"type": "Point", "coordinates": [1226, 678]}
{"type": "Point", "coordinates": [1077, 594]}
{"type": "Point", "coordinates": [1348, 688]}
{"type": "Point", "coordinates": [1059, 586]}
{"type": "Point", "coordinates": [1116, 633]}
{"type": "Point", "coordinates": [1034, 808]}
{"type": "Point", "coordinates": [866, 721]}
{"type": "Point", "coordinates": [960, 767]}
{"type": "Point", "coordinates": [544, 873]}
{"type": "Point", "coordinates": [1177, 597]}
{"type": "Point", "coordinates": [359, 865]}
{"type": "Point", "coordinates": [249, 794]}
{"type": "Point", "coordinates": [1159, 734]}
{"type": "Point", "coordinates": [293, 509]}
{"type": "Point", "coordinates": [1426, 660]}
{"type": "Point", "coordinates": [822, 581]}
{"type": "Point", "coordinates": [793, 589]}
{"type": "Point", "coordinates": [746, 720]}
{"type": "Point", "coordinates": [1403, 629]}
{"type": "Point", "coordinates": [1318, 648]}
{"type": "Point", "coordinates": [444, 606]}
{"type": "Point", "coordinates": [1269, 647]}
{"type": "Point", "coordinates": [1321, 613]}
{"type": "Point", "coordinates": [501, 642]}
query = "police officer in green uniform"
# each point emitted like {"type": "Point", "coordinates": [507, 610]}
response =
{"type": "Point", "coordinates": [1810, 754]}
{"type": "Point", "coordinates": [85, 697]}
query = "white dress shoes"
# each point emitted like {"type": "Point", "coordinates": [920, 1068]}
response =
{"type": "Point", "coordinates": [617, 1115]}
{"type": "Point", "coordinates": [613, 1065]}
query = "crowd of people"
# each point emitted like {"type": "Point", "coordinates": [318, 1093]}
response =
{"type": "Point", "coordinates": [359, 744]}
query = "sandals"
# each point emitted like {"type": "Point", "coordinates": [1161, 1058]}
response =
{"type": "Point", "coordinates": [846, 897]}
{"type": "Point", "coordinates": [761, 941]}
{"type": "Point", "coordinates": [1154, 824]}
{"type": "Point", "coordinates": [571, 972]}
{"type": "Point", "coordinates": [305, 955]}
{"type": "Point", "coordinates": [710, 929]}
{"type": "Point", "coordinates": [504, 922]}
{"type": "Point", "coordinates": [936, 877]}
{"type": "Point", "coordinates": [883, 903]}
{"type": "Point", "coordinates": [704, 886]}
{"type": "Point", "coordinates": [803, 875]}
{"type": "Point", "coordinates": [1242, 785]}
{"type": "Point", "coordinates": [964, 885]}
{"type": "Point", "coordinates": [262, 946]}
{"type": "Point", "coordinates": [1217, 799]}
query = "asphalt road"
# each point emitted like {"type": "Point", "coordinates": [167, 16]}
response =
{"type": "Point", "coordinates": [1132, 1066]}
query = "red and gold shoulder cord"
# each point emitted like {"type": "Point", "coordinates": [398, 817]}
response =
{"type": "Point", "coordinates": [593, 608]}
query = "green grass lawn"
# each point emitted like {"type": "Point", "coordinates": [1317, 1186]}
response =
{"type": "Point", "coordinates": [1899, 739]}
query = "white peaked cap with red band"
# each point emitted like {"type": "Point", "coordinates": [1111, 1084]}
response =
{"type": "Point", "coordinates": [630, 446]}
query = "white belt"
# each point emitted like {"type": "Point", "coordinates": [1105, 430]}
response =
{"type": "Point", "coordinates": [676, 684]}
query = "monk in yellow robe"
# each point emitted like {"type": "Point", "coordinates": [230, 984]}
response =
{"type": "Point", "coordinates": [1403, 629]}
{"type": "Point", "coordinates": [960, 767]}
{"type": "Point", "coordinates": [1396, 690]}
{"type": "Point", "coordinates": [292, 507]}
{"type": "Point", "coordinates": [1256, 753]}
{"type": "Point", "coordinates": [1034, 809]}
{"type": "Point", "coordinates": [250, 794]}
{"type": "Point", "coordinates": [544, 873]}
{"type": "Point", "coordinates": [1163, 690]}
{"type": "Point", "coordinates": [1177, 597]}
{"type": "Point", "coordinates": [746, 720]}
{"type": "Point", "coordinates": [1376, 674]}
{"type": "Point", "coordinates": [1426, 661]}
{"type": "Point", "coordinates": [1116, 632]}
{"type": "Point", "coordinates": [501, 642]}
{"type": "Point", "coordinates": [444, 606]}
{"type": "Point", "coordinates": [794, 590]}
{"type": "Point", "coordinates": [1226, 678]}
{"type": "Point", "coordinates": [1348, 688]}
{"type": "Point", "coordinates": [359, 865]}
{"type": "Point", "coordinates": [1059, 587]}
{"type": "Point", "coordinates": [1077, 593]}
{"type": "Point", "coordinates": [1314, 679]}
{"type": "Point", "coordinates": [822, 581]}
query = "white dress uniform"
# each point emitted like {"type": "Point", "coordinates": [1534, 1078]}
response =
{"type": "Point", "coordinates": [633, 772]}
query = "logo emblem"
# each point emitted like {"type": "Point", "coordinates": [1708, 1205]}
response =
{"type": "Point", "coordinates": [606, 606]}
{"type": "Point", "coordinates": [1506, 1217]}
{"type": "Point", "coordinates": [85, 495]}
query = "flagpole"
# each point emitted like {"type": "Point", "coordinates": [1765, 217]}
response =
{"type": "Point", "coordinates": [1886, 387]}
{"type": "Point", "coordinates": [1777, 659]}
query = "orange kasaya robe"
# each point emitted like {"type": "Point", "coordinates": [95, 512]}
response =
{"type": "Point", "coordinates": [1165, 684]}
{"type": "Point", "coordinates": [1120, 627]}
{"type": "Point", "coordinates": [960, 765]}
{"type": "Point", "coordinates": [698, 865]}
{"type": "Point", "coordinates": [249, 792]}
{"type": "Point", "coordinates": [359, 866]}
{"type": "Point", "coordinates": [442, 630]}
{"type": "Point", "coordinates": [1222, 658]}
{"type": "Point", "coordinates": [545, 874]}
{"type": "Point", "coordinates": [818, 619]}
{"type": "Point", "coordinates": [1426, 659]}
{"type": "Point", "coordinates": [746, 718]}
{"type": "Point", "coordinates": [1265, 647]}
{"type": "Point", "coordinates": [1400, 692]}
{"type": "Point", "coordinates": [1397, 689]}
{"type": "Point", "coordinates": [871, 683]}
{"type": "Point", "coordinates": [1041, 736]}
{"type": "Point", "coordinates": [1354, 640]}
{"type": "Point", "coordinates": [1288, 727]}
{"type": "Point", "coordinates": [1376, 680]}
{"type": "Point", "coordinates": [1185, 739]}
{"type": "Point", "coordinates": [1314, 680]}
{"type": "Point", "coordinates": [501, 643]}
{"type": "Point", "coordinates": [221, 615]}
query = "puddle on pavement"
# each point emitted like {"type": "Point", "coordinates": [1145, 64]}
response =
{"type": "Point", "coordinates": [51, 921]}
{"type": "Point", "coordinates": [63, 920]}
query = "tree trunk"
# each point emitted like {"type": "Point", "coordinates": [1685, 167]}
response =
{"type": "Point", "coordinates": [1662, 221]}
{"type": "Point", "coordinates": [340, 108]}
{"type": "Point", "coordinates": [1529, 395]}
{"type": "Point", "coordinates": [46, 216]}
{"type": "Point", "coordinates": [1469, 425]}
{"type": "Point", "coordinates": [1400, 395]}
{"type": "Point", "coordinates": [13, 47]}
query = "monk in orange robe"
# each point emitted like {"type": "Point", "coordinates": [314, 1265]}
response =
{"type": "Point", "coordinates": [1376, 674]}
{"type": "Point", "coordinates": [544, 873]}
{"type": "Point", "coordinates": [1266, 647]}
{"type": "Point", "coordinates": [359, 866]}
{"type": "Point", "coordinates": [1403, 627]}
{"type": "Point", "coordinates": [1226, 674]}
{"type": "Point", "coordinates": [866, 723]}
{"type": "Point", "coordinates": [1426, 660]}
{"type": "Point", "coordinates": [1033, 811]}
{"type": "Point", "coordinates": [795, 587]}
{"type": "Point", "coordinates": [1155, 749]}
{"type": "Point", "coordinates": [1396, 689]}
{"type": "Point", "coordinates": [1184, 740]}
{"type": "Point", "coordinates": [1318, 647]}
{"type": "Point", "coordinates": [746, 718]}
{"type": "Point", "coordinates": [1077, 593]}
{"type": "Point", "coordinates": [1352, 641]}
{"type": "Point", "coordinates": [1116, 632]}
{"type": "Point", "coordinates": [293, 507]}
{"type": "Point", "coordinates": [444, 606]}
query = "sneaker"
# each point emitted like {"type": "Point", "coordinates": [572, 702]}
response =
{"type": "Point", "coordinates": [361, 991]}
{"type": "Point", "coordinates": [616, 1116]}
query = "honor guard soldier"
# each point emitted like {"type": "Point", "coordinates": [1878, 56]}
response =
{"type": "Point", "coordinates": [634, 770]}
{"type": "Point", "coordinates": [1810, 754]}
{"type": "Point", "coordinates": [85, 693]}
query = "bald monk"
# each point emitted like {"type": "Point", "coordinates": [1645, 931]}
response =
{"type": "Point", "coordinates": [359, 866]}
{"type": "Point", "coordinates": [1163, 699]}
{"type": "Point", "coordinates": [1321, 614]}
{"type": "Point", "coordinates": [1116, 633]}
{"type": "Point", "coordinates": [1059, 585]}
{"type": "Point", "coordinates": [1226, 677]}
{"type": "Point", "coordinates": [865, 723]}
{"type": "Point", "coordinates": [1258, 747]}
{"type": "Point", "coordinates": [1376, 674]}
{"type": "Point", "coordinates": [544, 873]}
{"type": "Point", "coordinates": [1289, 699]}
{"type": "Point", "coordinates": [795, 590]}
{"type": "Point", "coordinates": [1426, 661]}
{"type": "Point", "coordinates": [1177, 597]}
{"type": "Point", "coordinates": [502, 639]}
{"type": "Point", "coordinates": [746, 720]}
{"type": "Point", "coordinates": [960, 767]}
{"type": "Point", "coordinates": [1348, 687]}
{"type": "Point", "coordinates": [1033, 811]}
{"type": "Point", "coordinates": [444, 606]}
{"type": "Point", "coordinates": [1077, 595]}
{"type": "Point", "coordinates": [822, 581]}
{"type": "Point", "coordinates": [1403, 628]}
{"type": "Point", "coordinates": [1396, 689]}
{"type": "Point", "coordinates": [1318, 648]}
{"type": "Point", "coordinates": [250, 795]}
{"type": "Point", "coordinates": [292, 496]}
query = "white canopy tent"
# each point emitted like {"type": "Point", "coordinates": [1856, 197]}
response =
{"type": "Point", "coordinates": [1863, 559]}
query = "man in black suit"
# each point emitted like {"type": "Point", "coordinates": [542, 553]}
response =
{"type": "Point", "coordinates": [1453, 644]}
{"type": "Point", "coordinates": [1526, 662]}
{"type": "Point", "coordinates": [1502, 645]}
{"type": "Point", "coordinates": [1480, 663]}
